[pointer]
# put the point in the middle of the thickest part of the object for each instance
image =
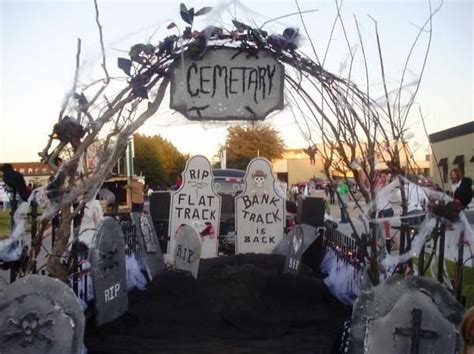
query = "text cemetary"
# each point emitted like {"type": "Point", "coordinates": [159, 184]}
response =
{"type": "Point", "coordinates": [227, 84]}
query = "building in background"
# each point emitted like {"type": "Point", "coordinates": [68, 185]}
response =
{"type": "Point", "coordinates": [36, 173]}
{"type": "Point", "coordinates": [295, 167]}
{"type": "Point", "coordinates": [453, 147]}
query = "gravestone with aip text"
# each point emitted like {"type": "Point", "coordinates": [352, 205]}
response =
{"type": "Point", "coordinates": [188, 249]}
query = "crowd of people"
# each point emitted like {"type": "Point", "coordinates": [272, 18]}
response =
{"type": "Point", "coordinates": [388, 200]}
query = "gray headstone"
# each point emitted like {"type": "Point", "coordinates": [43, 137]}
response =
{"type": "Point", "coordinates": [406, 315]}
{"type": "Point", "coordinates": [149, 251]}
{"type": "Point", "coordinates": [259, 210]}
{"type": "Point", "coordinates": [3, 281]}
{"type": "Point", "coordinates": [40, 314]}
{"type": "Point", "coordinates": [310, 235]}
{"type": "Point", "coordinates": [188, 250]}
{"type": "Point", "coordinates": [295, 240]}
{"type": "Point", "coordinates": [196, 202]}
{"type": "Point", "coordinates": [108, 272]}
{"type": "Point", "coordinates": [436, 334]}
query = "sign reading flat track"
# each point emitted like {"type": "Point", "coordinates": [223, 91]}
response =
{"type": "Point", "coordinates": [227, 84]}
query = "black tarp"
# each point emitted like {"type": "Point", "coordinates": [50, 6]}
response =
{"type": "Point", "coordinates": [238, 304]}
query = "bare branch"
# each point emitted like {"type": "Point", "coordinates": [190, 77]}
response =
{"type": "Point", "coordinates": [74, 83]}
{"type": "Point", "coordinates": [306, 31]}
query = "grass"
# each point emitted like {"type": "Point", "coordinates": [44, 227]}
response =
{"type": "Point", "coordinates": [4, 223]}
{"type": "Point", "coordinates": [467, 279]}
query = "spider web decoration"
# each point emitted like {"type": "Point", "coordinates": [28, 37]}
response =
{"type": "Point", "coordinates": [351, 125]}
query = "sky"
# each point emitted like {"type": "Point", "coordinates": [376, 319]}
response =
{"type": "Point", "coordinates": [39, 38]}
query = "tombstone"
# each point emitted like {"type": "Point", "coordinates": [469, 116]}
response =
{"type": "Point", "coordinates": [196, 202]}
{"type": "Point", "coordinates": [259, 210]}
{"type": "Point", "coordinates": [149, 252]}
{"type": "Point", "coordinates": [188, 249]}
{"type": "Point", "coordinates": [310, 211]}
{"type": "Point", "coordinates": [310, 234]}
{"type": "Point", "coordinates": [108, 272]}
{"type": "Point", "coordinates": [40, 314]}
{"type": "Point", "coordinates": [295, 240]}
{"type": "Point", "coordinates": [404, 315]}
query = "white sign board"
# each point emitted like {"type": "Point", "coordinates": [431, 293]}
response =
{"type": "Point", "coordinates": [259, 210]}
{"type": "Point", "coordinates": [196, 203]}
{"type": "Point", "coordinates": [227, 84]}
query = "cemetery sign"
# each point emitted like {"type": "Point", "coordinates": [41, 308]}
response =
{"type": "Point", "coordinates": [227, 84]}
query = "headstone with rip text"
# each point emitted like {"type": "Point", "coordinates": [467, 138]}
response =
{"type": "Point", "coordinates": [149, 251]}
{"type": "Point", "coordinates": [259, 210]}
{"type": "Point", "coordinates": [188, 249]}
{"type": "Point", "coordinates": [108, 272]}
{"type": "Point", "coordinates": [196, 202]}
{"type": "Point", "coordinates": [40, 314]}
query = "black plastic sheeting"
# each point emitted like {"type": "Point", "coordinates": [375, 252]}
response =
{"type": "Point", "coordinates": [238, 304]}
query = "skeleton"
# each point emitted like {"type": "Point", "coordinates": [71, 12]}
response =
{"type": "Point", "coordinates": [108, 261]}
{"type": "Point", "coordinates": [259, 181]}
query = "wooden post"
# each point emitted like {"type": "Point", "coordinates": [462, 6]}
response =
{"type": "Point", "coordinates": [421, 261]}
{"type": "Point", "coordinates": [459, 267]}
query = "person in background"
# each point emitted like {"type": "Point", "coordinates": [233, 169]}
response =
{"type": "Point", "coordinates": [384, 206]}
{"type": "Point", "coordinates": [29, 188]}
{"type": "Point", "coordinates": [136, 189]}
{"type": "Point", "coordinates": [149, 191]}
{"type": "Point", "coordinates": [343, 192]}
{"type": "Point", "coordinates": [294, 192]}
{"type": "Point", "coordinates": [4, 198]}
{"type": "Point", "coordinates": [332, 199]}
{"type": "Point", "coordinates": [179, 181]}
{"type": "Point", "coordinates": [109, 198]}
{"type": "Point", "coordinates": [417, 200]}
{"type": "Point", "coordinates": [461, 188]}
{"type": "Point", "coordinates": [15, 181]}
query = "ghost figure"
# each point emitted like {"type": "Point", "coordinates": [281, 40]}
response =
{"type": "Point", "coordinates": [259, 180]}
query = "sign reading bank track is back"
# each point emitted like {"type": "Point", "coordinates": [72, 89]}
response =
{"type": "Point", "coordinates": [227, 84]}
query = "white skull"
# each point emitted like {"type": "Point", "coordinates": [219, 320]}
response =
{"type": "Point", "coordinates": [259, 181]}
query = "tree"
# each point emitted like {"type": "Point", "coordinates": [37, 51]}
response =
{"type": "Point", "coordinates": [243, 143]}
{"type": "Point", "coordinates": [158, 160]}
